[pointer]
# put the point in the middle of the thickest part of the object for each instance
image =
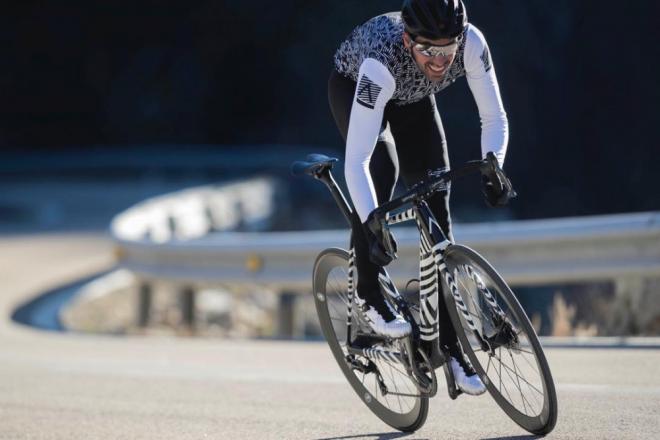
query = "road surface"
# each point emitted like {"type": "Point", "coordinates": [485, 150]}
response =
{"type": "Point", "coordinates": [73, 386]}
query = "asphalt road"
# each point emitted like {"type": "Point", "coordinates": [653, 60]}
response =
{"type": "Point", "coordinates": [70, 386]}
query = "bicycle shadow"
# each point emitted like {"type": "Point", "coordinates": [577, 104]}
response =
{"type": "Point", "coordinates": [376, 436]}
{"type": "Point", "coordinates": [515, 437]}
{"type": "Point", "coordinates": [394, 435]}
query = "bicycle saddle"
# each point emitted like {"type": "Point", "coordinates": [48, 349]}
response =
{"type": "Point", "coordinates": [313, 166]}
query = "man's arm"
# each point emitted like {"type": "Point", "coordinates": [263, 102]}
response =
{"type": "Point", "coordinates": [482, 81]}
{"type": "Point", "coordinates": [375, 87]}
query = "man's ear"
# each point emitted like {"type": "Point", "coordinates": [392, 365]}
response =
{"type": "Point", "coordinates": [406, 39]}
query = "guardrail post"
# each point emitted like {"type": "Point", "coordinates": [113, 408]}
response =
{"type": "Point", "coordinates": [286, 315]}
{"type": "Point", "coordinates": [637, 305]}
{"type": "Point", "coordinates": [187, 303]}
{"type": "Point", "coordinates": [144, 304]}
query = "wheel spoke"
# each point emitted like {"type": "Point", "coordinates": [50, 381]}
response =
{"type": "Point", "coordinates": [404, 382]}
{"type": "Point", "coordinates": [522, 395]}
{"type": "Point", "coordinates": [395, 368]}
{"type": "Point", "coordinates": [337, 312]}
{"type": "Point", "coordinates": [500, 377]}
{"type": "Point", "coordinates": [527, 351]}
{"type": "Point", "coordinates": [339, 293]}
{"type": "Point", "coordinates": [396, 388]}
{"type": "Point", "coordinates": [517, 383]}
{"type": "Point", "coordinates": [534, 397]}
{"type": "Point", "coordinates": [524, 380]}
{"type": "Point", "coordinates": [515, 377]}
{"type": "Point", "coordinates": [533, 366]}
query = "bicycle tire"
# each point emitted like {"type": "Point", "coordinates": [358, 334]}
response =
{"type": "Point", "coordinates": [328, 261]}
{"type": "Point", "coordinates": [540, 422]}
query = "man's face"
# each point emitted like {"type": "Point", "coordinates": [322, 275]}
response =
{"type": "Point", "coordinates": [433, 67]}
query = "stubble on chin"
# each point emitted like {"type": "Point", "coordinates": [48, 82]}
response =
{"type": "Point", "coordinates": [434, 77]}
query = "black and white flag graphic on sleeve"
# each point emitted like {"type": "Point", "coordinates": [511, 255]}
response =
{"type": "Point", "coordinates": [485, 58]}
{"type": "Point", "coordinates": [367, 92]}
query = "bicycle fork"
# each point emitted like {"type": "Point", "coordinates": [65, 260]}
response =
{"type": "Point", "coordinates": [488, 338]}
{"type": "Point", "coordinates": [433, 271]}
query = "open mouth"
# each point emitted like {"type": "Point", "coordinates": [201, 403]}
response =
{"type": "Point", "coordinates": [436, 69]}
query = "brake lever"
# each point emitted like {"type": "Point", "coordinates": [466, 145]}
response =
{"type": "Point", "coordinates": [489, 166]}
{"type": "Point", "coordinates": [492, 171]}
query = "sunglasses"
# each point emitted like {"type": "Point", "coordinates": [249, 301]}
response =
{"type": "Point", "coordinates": [430, 50]}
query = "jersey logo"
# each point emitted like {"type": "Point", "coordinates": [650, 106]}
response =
{"type": "Point", "coordinates": [367, 92]}
{"type": "Point", "coordinates": [485, 58]}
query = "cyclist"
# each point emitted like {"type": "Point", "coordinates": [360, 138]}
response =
{"type": "Point", "coordinates": [381, 94]}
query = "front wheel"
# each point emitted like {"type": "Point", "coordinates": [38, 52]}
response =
{"type": "Point", "coordinates": [401, 408]}
{"type": "Point", "coordinates": [499, 340]}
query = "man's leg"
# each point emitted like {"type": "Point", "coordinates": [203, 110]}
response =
{"type": "Point", "coordinates": [421, 145]}
{"type": "Point", "coordinates": [383, 168]}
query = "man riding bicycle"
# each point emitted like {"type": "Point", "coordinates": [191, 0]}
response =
{"type": "Point", "coordinates": [381, 94]}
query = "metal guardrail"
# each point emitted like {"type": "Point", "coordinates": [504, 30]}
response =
{"type": "Point", "coordinates": [525, 252]}
{"type": "Point", "coordinates": [188, 238]}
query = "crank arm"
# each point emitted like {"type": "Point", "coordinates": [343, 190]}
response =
{"type": "Point", "coordinates": [452, 389]}
{"type": "Point", "coordinates": [425, 385]}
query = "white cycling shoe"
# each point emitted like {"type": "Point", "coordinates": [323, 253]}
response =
{"type": "Point", "coordinates": [383, 319]}
{"type": "Point", "coordinates": [467, 381]}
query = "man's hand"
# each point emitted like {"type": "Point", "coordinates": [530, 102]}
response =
{"type": "Point", "coordinates": [382, 246]}
{"type": "Point", "coordinates": [496, 187]}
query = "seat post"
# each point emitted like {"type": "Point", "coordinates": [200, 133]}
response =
{"type": "Point", "coordinates": [326, 177]}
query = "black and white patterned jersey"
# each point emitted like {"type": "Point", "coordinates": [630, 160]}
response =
{"type": "Point", "coordinates": [381, 38]}
{"type": "Point", "coordinates": [375, 57]}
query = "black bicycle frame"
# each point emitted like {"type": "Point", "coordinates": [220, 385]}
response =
{"type": "Point", "coordinates": [433, 269]}
{"type": "Point", "coordinates": [416, 196]}
{"type": "Point", "coordinates": [428, 225]}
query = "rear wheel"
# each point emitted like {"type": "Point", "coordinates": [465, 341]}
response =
{"type": "Point", "coordinates": [499, 340]}
{"type": "Point", "coordinates": [405, 413]}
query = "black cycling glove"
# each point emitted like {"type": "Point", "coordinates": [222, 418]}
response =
{"type": "Point", "coordinates": [381, 243]}
{"type": "Point", "coordinates": [496, 187]}
{"type": "Point", "coordinates": [495, 193]}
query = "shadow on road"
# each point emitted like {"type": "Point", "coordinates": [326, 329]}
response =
{"type": "Point", "coordinates": [393, 435]}
{"type": "Point", "coordinates": [379, 436]}
{"type": "Point", "coordinates": [515, 437]}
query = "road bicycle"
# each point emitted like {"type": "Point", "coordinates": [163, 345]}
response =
{"type": "Point", "coordinates": [396, 377]}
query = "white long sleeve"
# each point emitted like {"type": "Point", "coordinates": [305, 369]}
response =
{"type": "Point", "coordinates": [375, 87]}
{"type": "Point", "coordinates": [482, 81]}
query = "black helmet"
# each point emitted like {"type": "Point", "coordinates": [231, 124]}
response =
{"type": "Point", "coordinates": [434, 19]}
